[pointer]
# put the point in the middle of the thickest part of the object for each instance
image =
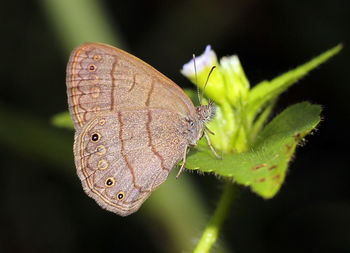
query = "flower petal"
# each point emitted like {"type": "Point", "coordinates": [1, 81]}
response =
{"type": "Point", "coordinates": [204, 61]}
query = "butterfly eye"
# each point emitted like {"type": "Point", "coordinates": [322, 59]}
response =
{"type": "Point", "coordinates": [190, 121]}
{"type": "Point", "coordinates": [120, 195]}
{"type": "Point", "coordinates": [95, 137]}
{"type": "Point", "coordinates": [109, 182]}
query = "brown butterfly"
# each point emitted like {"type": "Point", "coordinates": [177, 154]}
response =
{"type": "Point", "coordinates": [133, 125]}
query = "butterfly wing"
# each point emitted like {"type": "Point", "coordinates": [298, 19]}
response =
{"type": "Point", "coordinates": [132, 125]}
{"type": "Point", "coordinates": [122, 156]}
{"type": "Point", "coordinates": [103, 78]}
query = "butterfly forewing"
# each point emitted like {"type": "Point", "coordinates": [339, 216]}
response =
{"type": "Point", "coordinates": [104, 78]}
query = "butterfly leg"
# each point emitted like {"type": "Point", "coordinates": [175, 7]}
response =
{"type": "Point", "coordinates": [211, 147]}
{"type": "Point", "coordinates": [207, 129]}
{"type": "Point", "coordinates": [183, 164]}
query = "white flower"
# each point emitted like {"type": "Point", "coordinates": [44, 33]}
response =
{"type": "Point", "coordinates": [207, 60]}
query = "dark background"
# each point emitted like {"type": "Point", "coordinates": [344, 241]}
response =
{"type": "Point", "coordinates": [43, 208]}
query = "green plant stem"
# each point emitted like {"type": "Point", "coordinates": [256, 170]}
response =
{"type": "Point", "coordinates": [211, 232]}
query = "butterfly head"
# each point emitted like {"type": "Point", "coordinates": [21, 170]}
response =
{"type": "Point", "coordinates": [206, 113]}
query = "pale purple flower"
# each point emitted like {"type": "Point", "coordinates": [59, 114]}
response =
{"type": "Point", "coordinates": [206, 60]}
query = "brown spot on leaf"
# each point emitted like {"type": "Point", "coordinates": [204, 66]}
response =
{"type": "Point", "coordinates": [297, 137]}
{"type": "Point", "coordinates": [276, 177]}
{"type": "Point", "coordinates": [260, 180]}
{"type": "Point", "coordinates": [273, 167]}
{"type": "Point", "coordinates": [259, 166]}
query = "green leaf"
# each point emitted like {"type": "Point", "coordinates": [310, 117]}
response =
{"type": "Point", "coordinates": [266, 91]}
{"type": "Point", "coordinates": [261, 119]}
{"type": "Point", "coordinates": [264, 167]}
{"type": "Point", "coordinates": [63, 120]}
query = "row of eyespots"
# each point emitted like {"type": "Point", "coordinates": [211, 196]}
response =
{"type": "Point", "coordinates": [95, 91]}
{"type": "Point", "coordinates": [109, 183]}
{"type": "Point", "coordinates": [103, 164]}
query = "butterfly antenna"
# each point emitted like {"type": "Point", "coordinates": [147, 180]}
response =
{"type": "Point", "coordinates": [211, 70]}
{"type": "Point", "coordinates": [195, 73]}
